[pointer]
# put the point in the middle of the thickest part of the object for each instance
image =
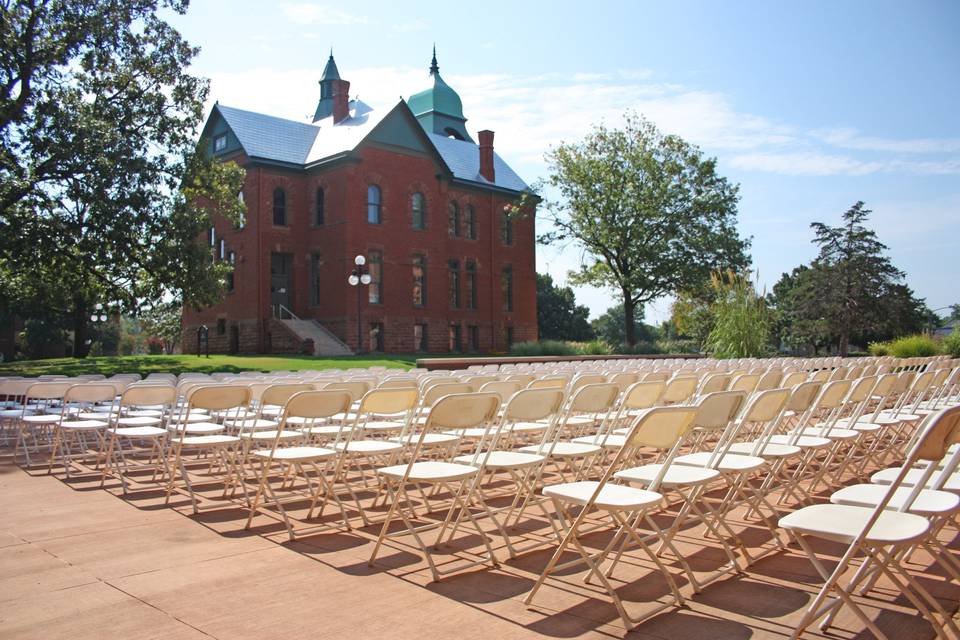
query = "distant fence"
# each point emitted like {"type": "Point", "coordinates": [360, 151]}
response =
{"type": "Point", "coordinates": [462, 363]}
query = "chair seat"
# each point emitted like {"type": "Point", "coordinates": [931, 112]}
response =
{"type": "Point", "coordinates": [296, 453]}
{"type": "Point", "coordinates": [193, 417]}
{"type": "Point", "coordinates": [217, 440]}
{"type": "Point", "coordinates": [564, 449]}
{"type": "Point", "coordinates": [770, 449]}
{"type": "Point", "coordinates": [369, 446]}
{"type": "Point", "coordinates": [145, 413]}
{"type": "Point", "coordinates": [197, 427]}
{"type": "Point", "coordinates": [676, 475]}
{"type": "Point", "coordinates": [382, 425]}
{"type": "Point", "coordinates": [609, 441]}
{"type": "Point", "coordinates": [84, 425]}
{"type": "Point", "coordinates": [43, 418]}
{"type": "Point", "coordinates": [729, 462]}
{"type": "Point", "coordinates": [256, 424]}
{"type": "Point", "coordinates": [95, 415]}
{"type": "Point", "coordinates": [137, 421]}
{"type": "Point", "coordinates": [896, 417]}
{"type": "Point", "coordinates": [528, 427]}
{"type": "Point", "coordinates": [579, 421]}
{"type": "Point", "coordinates": [271, 435]}
{"type": "Point", "coordinates": [804, 442]}
{"type": "Point", "coordinates": [12, 413]}
{"type": "Point", "coordinates": [928, 502]}
{"type": "Point", "coordinates": [887, 476]}
{"type": "Point", "coordinates": [140, 432]}
{"type": "Point", "coordinates": [843, 523]}
{"type": "Point", "coordinates": [504, 459]}
{"type": "Point", "coordinates": [836, 433]}
{"type": "Point", "coordinates": [613, 497]}
{"type": "Point", "coordinates": [430, 471]}
{"type": "Point", "coordinates": [430, 439]}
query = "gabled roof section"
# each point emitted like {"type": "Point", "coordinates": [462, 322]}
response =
{"type": "Point", "coordinates": [463, 158]}
{"type": "Point", "coordinates": [267, 137]}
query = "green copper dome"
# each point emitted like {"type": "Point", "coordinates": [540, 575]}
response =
{"type": "Point", "coordinates": [439, 98]}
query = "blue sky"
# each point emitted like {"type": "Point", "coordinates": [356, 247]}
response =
{"type": "Point", "coordinates": [810, 106]}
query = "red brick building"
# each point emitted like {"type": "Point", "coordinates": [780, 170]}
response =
{"type": "Point", "coordinates": [408, 189]}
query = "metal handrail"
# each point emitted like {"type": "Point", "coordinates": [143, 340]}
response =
{"type": "Point", "coordinates": [279, 310]}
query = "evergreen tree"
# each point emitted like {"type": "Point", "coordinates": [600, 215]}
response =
{"type": "Point", "coordinates": [559, 317]}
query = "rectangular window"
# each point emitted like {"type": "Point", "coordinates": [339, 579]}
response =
{"type": "Point", "coordinates": [453, 223]}
{"type": "Point", "coordinates": [454, 269]}
{"type": "Point", "coordinates": [506, 229]}
{"type": "Point", "coordinates": [232, 259]}
{"type": "Point", "coordinates": [375, 266]}
{"type": "Point", "coordinates": [220, 143]}
{"type": "Point", "coordinates": [420, 337]}
{"type": "Point", "coordinates": [419, 280]}
{"type": "Point", "coordinates": [221, 326]}
{"type": "Point", "coordinates": [319, 213]}
{"type": "Point", "coordinates": [373, 204]}
{"type": "Point", "coordinates": [506, 285]}
{"type": "Point", "coordinates": [315, 262]}
{"type": "Point", "coordinates": [473, 335]}
{"type": "Point", "coordinates": [470, 222]}
{"type": "Point", "coordinates": [508, 336]}
{"type": "Point", "coordinates": [212, 237]}
{"type": "Point", "coordinates": [222, 252]}
{"type": "Point", "coordinates": [471, 268]}
{"type": "Point", "coordinates": [455, 343]}
{"type": "Point", "coordinates": [376, 336]}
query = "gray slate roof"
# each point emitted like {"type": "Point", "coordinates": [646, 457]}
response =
{"type": "Point", "coordinates": [288, 141]}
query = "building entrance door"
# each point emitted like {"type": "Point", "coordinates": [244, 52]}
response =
{"type": "Point", "coordinates": [281, 280]}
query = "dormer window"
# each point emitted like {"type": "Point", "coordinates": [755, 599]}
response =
{"type": "Point", "coordinates": [219, 143]}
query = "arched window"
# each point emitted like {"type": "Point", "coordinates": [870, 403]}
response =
{"type": "Point", "coordinates": [418, 208]}
{"type": "Point", "coordinates": [453, 133]}
{"type": "Point", "coordinates": [506, 228]}
{"type": "Point", "coordinates": [454, 221]}
{"type": "Point", "coordinates": [470, 222]}
{"type": "Point", "coordinates": [318, 212]}
{"type": "Point", "coordinates": [373, 204]}
{"type": "Point", "coordinates": [279, 207]}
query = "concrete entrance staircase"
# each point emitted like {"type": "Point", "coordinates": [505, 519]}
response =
{"type": "Point", "coordinates": [324, 342]}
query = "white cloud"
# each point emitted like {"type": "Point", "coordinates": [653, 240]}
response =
{"type": "Point", "coordinates": [804, 163]}
{"type": "Point", "coordinates": [847, 138]}
{"type": "Point", "coordinates": [308, 13]}
{"type": "Point", "coordinates": [413, 25]}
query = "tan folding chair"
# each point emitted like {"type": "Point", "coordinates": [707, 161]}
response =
{"type": "Point", "coordinates": [625, 507]}
{"type": "Point", "coordinates": [461, 411]}
{"type": "Point", "coordinates": [73, 431]}
{"type": "Point", "coordinates": [129, 430]}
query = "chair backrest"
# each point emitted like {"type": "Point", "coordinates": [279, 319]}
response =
{"type": "Point", "coordinates": [833, 394]}
{"type": "Point", "coordinates": [594, 398]}
{"type": "Point", "coordinates": [680, 389]}
{"type": "Point", "coordinates": [389, 401]}
{"type": "Point", "coordinates": [661, 427]}
{"type": "Point", "coordinates": [745, 382]}
{"type": "Point", "coordinates": [823, 375]}
{"type": "Point", "coordinates": [503, 388]}
{"type": "Point", "coordinates": [624, 380]}
{"type": "Point", "coordinates": [47, 390]}
{"type": "Point", "coordinates": [586, 379]}
{"type": "Point", "coordinates": [656, 376]}
{"type": "Point", "coordinates": [643, 395]}
{"type": "Point", "coordinates": [714, 382]}
{"type": "Point", "coordinates": [770, 380]}
{"type": "Point", "coordinates": [462, 411]}
{"type": "Point", "coordinates": [531, 405]}
{"type": "Point", "coordinates": [398, 383]}
{"type": "Point", "coordinates": [550, 382]}
{"type": "Point", "coordinates": [766, 405]}
{"type": "Point", "coordinates": [90, 392]}
{"type": "Point", "coordinates": [218, 397]}
{"type": "Point", "coordinates": [148, 394]}
{"type": "Point", "coordinates": [794, 378]}
{"type": "Point", "coordinates": [315, 405]}
{"type": "Point", "coordinates": [440, 390]}
{"type": "Point", "coordinates": [356, 388]}
{"type": "Point", "coordinates": [804, 395]}
{"type": "Point", "coordinates": [716, 410]}
{"type": "Point", "coordinates": [862, 389]}
{"type": "Point", "coordinates": [280, 394]}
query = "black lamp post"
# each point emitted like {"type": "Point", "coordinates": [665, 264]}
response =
{"type": "Point", "coordinates": [360, 275]}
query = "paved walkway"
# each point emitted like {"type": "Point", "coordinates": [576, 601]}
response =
{"type": "Point", "coordinates": [80, 562]}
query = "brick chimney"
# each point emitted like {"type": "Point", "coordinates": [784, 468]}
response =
{"type": "Point", "coordinates": [486, 154]}
{"type": "Point", "coordinates": [341, 108]}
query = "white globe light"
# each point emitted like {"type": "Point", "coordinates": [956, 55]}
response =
{"type": "Point", "coordinates": [93, 318]}
{"type": "Point", "coordinates": [353, 280]}
{"type": "Point", "coordinates": [98, 306]}
{"type": "Point", "coordinates": [360, 261]}
{"type": "Point", "coordinates": [103, 318]}
{"type": "Point", "coordinates": [365, 278]}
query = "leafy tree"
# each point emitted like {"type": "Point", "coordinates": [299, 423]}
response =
{"type": "Point", "coordinates": [163, 321]}
{"type": "Point", "coordinates": [649, 212]}
{"type": "Point", "coordinates": [610, 327]}
{"type": "Point", "coordinates": [559, 317]}
{"type": "Point", "coordinates": [851, 291]}
{"type": "Point", "coordinates": [742, 321]}
{"type": "Point", "coordinates": [104, 192]}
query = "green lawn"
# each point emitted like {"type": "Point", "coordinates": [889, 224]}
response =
{"type": "Point", "coordinates": [179, 363]}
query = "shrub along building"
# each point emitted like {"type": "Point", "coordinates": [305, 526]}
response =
{"type": "Point", "coordinates": [410, 191]}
